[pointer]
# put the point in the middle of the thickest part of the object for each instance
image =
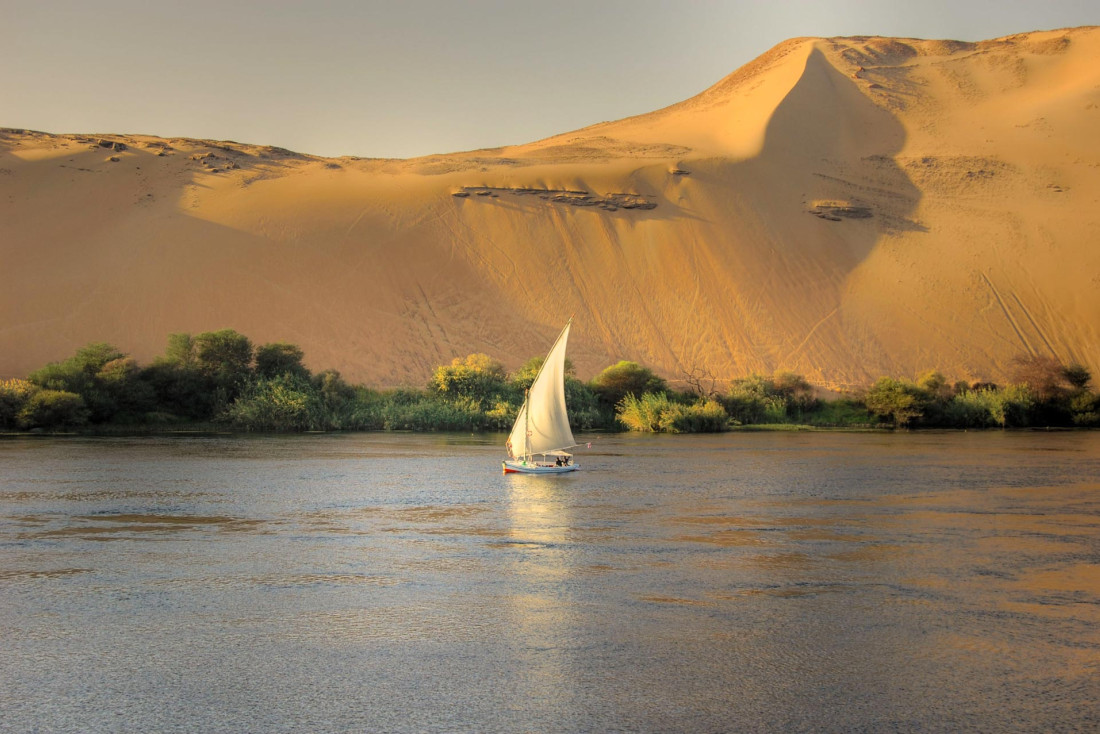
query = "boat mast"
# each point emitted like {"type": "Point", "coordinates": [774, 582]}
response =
{"type": "Point", "coordinates": [526, 420]}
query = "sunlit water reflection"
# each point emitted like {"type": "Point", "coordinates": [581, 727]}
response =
{"type": "Point", "coordinates": [743, 582]}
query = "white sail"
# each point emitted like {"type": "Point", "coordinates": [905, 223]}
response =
{"type": "Point", "coordinates": [543, 418]}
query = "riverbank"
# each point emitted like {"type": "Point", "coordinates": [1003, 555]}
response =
{"type": "Point", "coordinates": [218, 381]}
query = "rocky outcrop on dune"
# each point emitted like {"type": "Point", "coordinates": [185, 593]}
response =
{"type": "Point", "coordinates": [843, 208]}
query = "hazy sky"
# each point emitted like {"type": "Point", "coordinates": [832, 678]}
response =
{"type": "Point", "coordinates": [412, 77]}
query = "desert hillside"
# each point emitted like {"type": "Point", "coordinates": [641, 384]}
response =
{"type": "Point", "coordinates": [844, 208]}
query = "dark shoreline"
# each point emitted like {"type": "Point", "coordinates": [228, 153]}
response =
{"type": "Point", "coordinates": [201, 430]}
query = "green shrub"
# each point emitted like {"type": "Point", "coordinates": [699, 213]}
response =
{"type": "Point", "coordinates": [1013, 406]}
{"type": "Point", "coordinates": [841, 413]}
{"type": "Point", "coordinates": [625, 378]}
{"type": "Point", "coordinates": [363, 411]}
{"type": "Point", "coordinates": [746, 401]}
{"type": "Point", "coordinates": [211, 375]}
{"type": "Point", "coordinates": [657, 413]}
{"type": "Point", "coordinates": [899, 400]}
{"type": "Point", "coordinates": [224, 358]}
{"type": "Point", "coordinates": [53, 409]}
{"type": "Point", "coordinates": [80, 374]}
{"type": "Point", "coordinates": [1085, 408]}
{"type": "Point", "coordinates": [130, 394]}
{"type": "Point", "coordinates": [179, 389]}
{"type": "Point", "coordinates": [973, 409]}
{"type": "Point", "coordinates": [643, 413]}
{"type": "Point", "coordinates": [428, 414]}
{"type": "Point", "coordinates": [338, 399]}
{"type": "Point", "coordinates": [476, 377]}
{"type": "Point", "coordinates": [283, 403]}
{"type": "Point", "coordinates": [501, 416]}
{"type": "Point", "coordinates": [583, 406]}
{"type": "Point", "coordinates": [280, 358]}
{"type": "Point", "coordinates": [705, 416]}
{"type": "Point", "coordinates": [14, 395]}
{"type": "Point", "coordinates": [797, 393]}
{"type": "Point", "coordinates": [776, 399]}
{"type": "Point", "coordinates": [1044, 376]}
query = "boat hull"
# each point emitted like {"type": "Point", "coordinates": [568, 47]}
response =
{"type": "Point", "coordinates": [518, 467]}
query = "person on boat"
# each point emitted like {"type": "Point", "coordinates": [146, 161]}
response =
{"type": "Point", "coordinates": [558, 462]}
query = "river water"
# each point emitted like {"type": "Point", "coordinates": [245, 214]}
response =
{"type": "Point", "coordinates": [401, 583]}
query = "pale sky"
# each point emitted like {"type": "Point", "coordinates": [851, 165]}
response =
{"type": "Point", "coordinates": [412, 77]}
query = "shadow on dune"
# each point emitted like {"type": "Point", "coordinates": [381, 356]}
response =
{"type": "Point", "coordinates": [798, 220]}
{"type": "Point", "coordinates": [839, 147]}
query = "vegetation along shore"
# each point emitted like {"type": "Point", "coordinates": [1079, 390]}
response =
{"type": "Point", "coordinates": [221, 379]}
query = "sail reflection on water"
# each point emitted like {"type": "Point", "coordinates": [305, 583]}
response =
{"type": "Point", "coordinates": [540, 608]}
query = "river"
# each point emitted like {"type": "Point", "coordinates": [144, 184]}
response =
{"type": "Point", "coordinates": [400, 583]}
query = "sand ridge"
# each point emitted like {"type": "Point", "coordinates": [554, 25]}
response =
{"type": "Point", "coordinates": [844, 208]}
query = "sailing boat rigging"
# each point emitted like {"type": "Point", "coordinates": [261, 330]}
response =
{"type": "Point", "coordinates": [542, 426]}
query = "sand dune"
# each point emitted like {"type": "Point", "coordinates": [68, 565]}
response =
{"type": "Point", "coordinates": [844, 208]}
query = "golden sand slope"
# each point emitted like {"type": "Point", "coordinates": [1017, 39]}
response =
{"type": "Point", "coordinates": [844, 208]}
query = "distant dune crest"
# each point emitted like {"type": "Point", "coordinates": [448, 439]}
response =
{"type": "Point", "coordinates": [843, 208]}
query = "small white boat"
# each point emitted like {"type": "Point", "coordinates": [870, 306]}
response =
{"type": "Point", "coordinates": [541, 434]}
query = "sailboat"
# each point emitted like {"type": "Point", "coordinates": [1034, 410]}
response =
{"type": "Point", "coordinates": [541, 434]}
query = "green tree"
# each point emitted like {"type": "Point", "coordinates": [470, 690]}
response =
{"type": "Point", "coordinates": [365, 411]}
{"type": "Point", "coordinates": [705, 415]}
{"type": "Point", "coordinates": [582, 405]}
{"type": "Point", "coordinates": [899, 400]}
{"type": "Point", "coordinates": [645, 412]}
{"type": "Point", "coordinates": [338, 399]}
{"type": "Point", "coordinates": [747, 401]}
{"type": "Point", "coordinates": [625, 378]}
{"type": "Point", "coordinates": [1077, 375]}
{"type": "Point", "coordinates": [280, 358]}
{"type": "Point", "coordinates": [180, 350]}
{"type": "Point", "coordinates": [657, 413]}
{"type": "Point", "coordinates": [1085, 408]}
{"type": "Point", "coordinates": [123, 381]}
{"type": "Point", "coordinates": [759, 399]}
{"type": "Point", "coordinates": [477, 377]}
{"type": "Point", "coordinates": [1013, 406]}
{"type": "Point", "coordinates": [797, 393]}
{"type": "Point", "coordinates": [224, 359]}
{"type": "Point", "coordinates": [80, 374]}
{"type": "Point", "coordinates": [14, 394]}
{"type": "Point", "coordinates": [411, 410]}
{"type": "Point", "coordinates": [282, 403]}
{"type": "Point", "coordinates": [197, 377]}
{"type": "Point", "coordinates": [936, 395]}
{"type": "Point", "coordinates": [1052, 386]}
{"type": "Point", "coordinates": [935, 386]}
{"type": "Point", "coordinates": [973, 408]}
{"type": "Point", "coordinates": [1044, 376]}
{"type": "Point", "coordinates": [53, 409]}
{"type": "Point", "coordinates": [179, 389]}
{"type": "Point", "coordinates": [225, 356]}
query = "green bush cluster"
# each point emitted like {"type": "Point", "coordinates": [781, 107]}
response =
{"type": "Point", "coordinates": [658, 413]}
{"type": "Point", "coordinates": [220, 377]}
{"type": "Point", "coordinates": [782, 398]}
{"type": "Point", "coordinates": [1043, 392]}
{"type": "Point", "coordinates": [26, 405]}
